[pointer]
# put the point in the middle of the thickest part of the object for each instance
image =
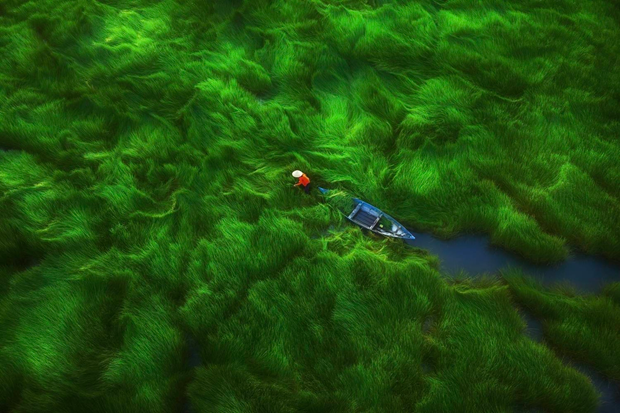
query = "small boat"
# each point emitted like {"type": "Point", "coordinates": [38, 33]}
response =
{"type": "Point", "coordinates": [368, 217]}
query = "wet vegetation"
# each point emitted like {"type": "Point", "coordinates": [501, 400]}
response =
{"type": "Point", "coordinates": [585, 328]}
{"type": "Point", "coordinates": [146, 197]}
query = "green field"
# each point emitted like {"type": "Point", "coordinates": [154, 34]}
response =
{"type": "Point", "coordinates": [146, 151]}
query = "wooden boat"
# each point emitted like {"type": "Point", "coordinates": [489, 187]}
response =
{"type": "Point", "coordinates": [368, 217]}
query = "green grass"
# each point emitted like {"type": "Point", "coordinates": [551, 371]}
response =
{"type": "Point", "coordinates": [583, 327]}
{"type": "Point", "coordinates": [357, 342]}
{"type": "Point", "coordinates": [145, 194]}
{"type": "Point", "coordinates": [342, 201]}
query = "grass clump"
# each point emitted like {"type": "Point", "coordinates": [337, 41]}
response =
{"type": "Point", "coordinates": [612, 291]}
{"type": "Point", "coordinates": [109, 344]}
{"type": "Point", "coordinates": [584, 328]}
{"type": "Point", "coordinates": [341, 200]}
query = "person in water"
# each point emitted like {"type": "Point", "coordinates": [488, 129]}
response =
{"type": "Point", "coordinates": [303, 180]}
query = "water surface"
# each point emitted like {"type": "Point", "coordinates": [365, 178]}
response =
{"type": "Point", "coordinates": [474, 255]}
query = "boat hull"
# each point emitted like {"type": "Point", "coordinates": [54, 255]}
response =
{"type": "Point", "coordinates": [368, 216]}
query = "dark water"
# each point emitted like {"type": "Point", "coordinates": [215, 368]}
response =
{"type": "Point", "coordinates": [610, 391]}
{"type": "Point", "coordinates": [534, 327]}
{"type": "Point", "coordinates": [193, 361]}
{"type": "Point", "coordinates": [473, 254]}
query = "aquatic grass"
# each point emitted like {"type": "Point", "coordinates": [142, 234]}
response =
{"type": "Point", "coordinates": [358, 334]}
{"type": "Point", "coordinates": [583, 327]}
{"type": "Point", "coordinates": [96, 338]}
{"type": "Point", "coordinates": [612, 291]}
{"type": "Point", "coordinates": [473, 304]}
{"type": "Point", "coordinates": [146, 195]}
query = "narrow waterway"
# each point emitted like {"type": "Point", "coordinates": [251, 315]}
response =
{"type": "Point", "coordinates": [474, 255]}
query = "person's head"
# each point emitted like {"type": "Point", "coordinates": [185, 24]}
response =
{"type": "Point", "coordinates": [297, 173]}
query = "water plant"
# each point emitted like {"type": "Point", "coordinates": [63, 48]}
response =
{"type": "Point", "coordinates": [145, 195]}
{"type": "Point", "coordinates": [585, 328]}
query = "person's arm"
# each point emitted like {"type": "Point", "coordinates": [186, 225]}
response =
{"type": "Point", "coordinates": [297, 184]}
